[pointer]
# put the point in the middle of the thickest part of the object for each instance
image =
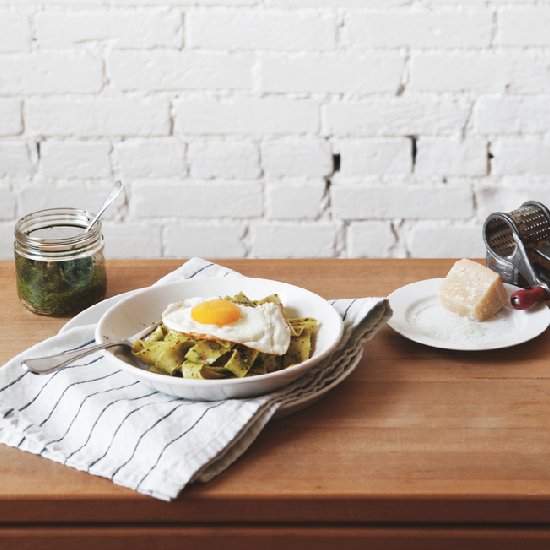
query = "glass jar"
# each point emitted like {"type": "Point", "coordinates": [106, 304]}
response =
{"type": "Point", "coordinates": [60, 268]}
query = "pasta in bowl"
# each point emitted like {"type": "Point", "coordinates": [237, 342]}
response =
{"type": "Point", "coordinates": [248, 337]}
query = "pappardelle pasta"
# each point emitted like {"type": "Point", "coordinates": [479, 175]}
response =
{"type": "Point", "coordinates": [203, 354]}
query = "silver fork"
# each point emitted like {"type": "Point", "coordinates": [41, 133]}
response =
{"type": "Point", "coordinates": [51, 363]}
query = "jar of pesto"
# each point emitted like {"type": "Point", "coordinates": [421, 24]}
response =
{"type": "Point", "coordinates": [60, 268]}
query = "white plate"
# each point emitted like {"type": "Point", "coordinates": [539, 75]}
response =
{"type": "Point", "coordinates": [418, 315]}
{"type": "Point", "coordinates": [133, 313]}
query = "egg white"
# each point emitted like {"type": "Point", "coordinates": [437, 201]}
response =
{"type": "Point", "coordinates": [263, 328]}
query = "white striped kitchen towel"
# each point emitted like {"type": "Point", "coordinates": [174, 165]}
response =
{"type": "Point", "coordinates": [98, 419]}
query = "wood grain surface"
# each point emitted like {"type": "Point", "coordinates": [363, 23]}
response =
{"type": "Point", "coordinates": [415, 437]}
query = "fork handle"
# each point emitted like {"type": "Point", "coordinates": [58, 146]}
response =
{"type": "Point", "coordinates": [51, 363]}
{"type": "Point", "coordinates": [525, 298]}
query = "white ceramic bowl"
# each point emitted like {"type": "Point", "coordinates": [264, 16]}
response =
{"type": "Point", "coordinates": [132, 314]}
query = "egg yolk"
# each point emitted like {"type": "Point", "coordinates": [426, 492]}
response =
{"type": "Point", "coordinates": [216, 312]}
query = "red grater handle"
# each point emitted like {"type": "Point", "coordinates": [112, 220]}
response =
{"type": "Point", "coordinates": [524, 299]}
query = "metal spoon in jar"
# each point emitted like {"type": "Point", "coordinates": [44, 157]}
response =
{"type": "Point", "coordinates": [117, 188]}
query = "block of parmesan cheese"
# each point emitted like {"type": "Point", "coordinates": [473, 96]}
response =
{"type": "Point", "coordinates": [472, 290]}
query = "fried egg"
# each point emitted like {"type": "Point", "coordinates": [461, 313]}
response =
{"type": "Point", "coordinates": [263, 328]}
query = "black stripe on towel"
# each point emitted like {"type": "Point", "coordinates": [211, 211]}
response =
{"type": "Point", "coordinates": [176, 439]}
{"type": "Point", "coordinates": [118, 427]}
{"type": "Point", "coordinates": [348, 308]}
{"type": "Point", "coordinates": [41, 390]}
{"type": "Point", "coordinates": [157, 422]}
{"type": "Point", "coordinates": [72, 385]}
{"type": "Point", "coordinates": [13, 381]}
{"type": "Point", "coordinates": [80, 408]}
{"type": "Point", "coordinates": [53, 377]}
{"type": "Point", "coordinates": [27, 372]}
{"type": "Point", "coordinates": [201, 269]}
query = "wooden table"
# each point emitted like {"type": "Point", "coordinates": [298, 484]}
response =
{"type": "Point", "coordinates": [420, 448]}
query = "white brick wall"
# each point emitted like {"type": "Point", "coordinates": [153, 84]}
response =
{"type": "Point", "coordinates": [400, 116]}
{"type": "Point", "coordinates": [428, 240]}
{"type": "Point", "coordinates": [197, 200]}
{"type": "Point", "coordinates": [276, 128]}
{"type": "Point", "coordinates": [371, 157]}
{"type": "Point", "coordinates": [7, 203]}
{"type": "Point", "coordinates": [217, 240]}
{"type": "Point", "coordinates": [332, 73]}
{"type": "Point", "coordinates": [419, 29]}
{"type": "Point", "coordinates": [356, 201]}
{"type": "Point", "coordinates": [14, 159]}
{"type": "Point", "coordinates": [6, 237]}
{"type": "Point", "coordinates": [75, 160]}
{"type": "Point", "coordinates": [175, 70]}
{"type": "Point", "coordinates": [297, 157]}
{"type": "Point", "coordinates": [98, 117]}
{"type": "Point", "coordinates": [50, 73]}
{"type": "Point", "coordinates": [524, 26]}
{"type": "Point", "coordinates": [15, 32]}
{"type": "Point", "coordinates": [11, 122]}
{"type": "Point", "coordinates": [480, 72]}
{"type": "Point", "coordinates": [261, 30]}
{"type": "Point", "coordinates": [451, 157]}
{"type": "Point", "coordinates": [131, 240]}
{"type": "Point", "coordinates": [150, 159]}
{"type": "Point", "coordinates": [119, 28]}
{"type": "Point", "coordinates": [223, 158]}
{"type": "Point", "coordinates": [521, 157]}
{"type": "Point", "coordinates": [494, 115]}
{"type": "Point", "coordinates": [246, 116]}
{"type": "Point", "coordinates": [295, 199]}
{"type": "Point", "coordinates": [303, 240]}
{"type": "Point", "coordinates": [371, 238]}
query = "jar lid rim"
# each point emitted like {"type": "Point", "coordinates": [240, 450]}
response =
{"type": "Point", "coordinates": [63, 216]}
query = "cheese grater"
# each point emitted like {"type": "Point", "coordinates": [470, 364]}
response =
{"type": "Point", "coordinates": [518, 245]}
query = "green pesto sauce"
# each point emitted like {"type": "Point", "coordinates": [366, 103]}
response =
{"type": "Point", "coordinates": [60, 288]}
